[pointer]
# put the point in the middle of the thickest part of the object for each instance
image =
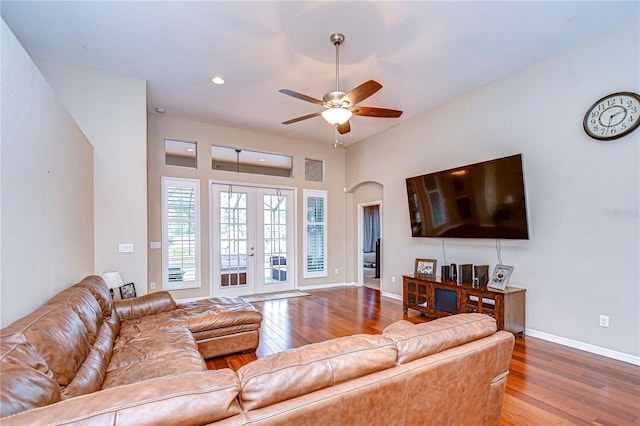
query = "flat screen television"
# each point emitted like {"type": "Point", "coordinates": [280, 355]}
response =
{"type": "Point", "coordinates": [481, 200]}
{"type": "Point", "coordinates": [446, 300]}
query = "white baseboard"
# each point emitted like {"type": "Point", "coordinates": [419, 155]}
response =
{"type": "Point", "coordinates": [391, 295]}
{"type": "Point", "coordinates": [598, 350]}
{"type": "Point", "coordinates": [191, 299]}
{"type": "Point", "coordinates": [323, 286]}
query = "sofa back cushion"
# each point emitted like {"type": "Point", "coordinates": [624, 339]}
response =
{"type": "Point", "coordinates": [100, 291]}
{"type": "Point", "coordinates": [82, 302]}
{"type": "Point", "coordinates": [299, 371]}
{"type": "Point", "coordinates": [58, 335]}
{"type": "Point", "coordinates": [26, 380]}
{"type": "Point", "coordinates": [420, 340]}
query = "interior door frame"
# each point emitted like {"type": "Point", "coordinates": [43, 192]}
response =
{"type": "Point", "coordinates": [360, 254]}
{"type": "Point", "coordinates": [213, 245]}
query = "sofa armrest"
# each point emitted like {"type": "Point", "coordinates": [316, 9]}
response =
{"type": "Point", "coordinates": [190, 398]}
{"type": "Point", "coordinates": [148, 304]}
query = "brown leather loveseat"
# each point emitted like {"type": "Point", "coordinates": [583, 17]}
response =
{"type": "Point", "coordinates": [448, 371]}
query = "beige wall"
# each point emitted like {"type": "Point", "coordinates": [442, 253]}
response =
{"type": "Point", "coordinates": [47, 189]}
{"type": "Point", "coordinates": [111, 110]}
{"type": "Point", "coordinates": [205, 134]}
{"type": "Point", "coordinates": [582, 258]}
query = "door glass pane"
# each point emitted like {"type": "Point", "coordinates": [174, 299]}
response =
{"type": "Point", "coordinates": [275, 238]}
{"type": "Point", "coordinates": [233, 239]}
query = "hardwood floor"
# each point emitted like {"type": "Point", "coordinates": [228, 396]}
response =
{"type": "Point", "coordinates": [548, 384]}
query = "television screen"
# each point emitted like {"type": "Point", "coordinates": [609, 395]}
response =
{"type": "Point", "coordinates": [482, 200]}
{"type": "Point", "coordinates": [446, 300]}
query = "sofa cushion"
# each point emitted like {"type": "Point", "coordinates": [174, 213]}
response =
{"type": "Point", "coordinates": [161, 320]}
{"type": "Point", "coordinates": [219, 312]}
{"type": "Point", "coordinates": [140, 307]}
{"type": "Point", "coordinates": [185, 399]}
{"type": "Point", "coordinates": [427, 338]}
{"type": "Point", "coordinates": [26, 380]}
{"type": "Point", "coordinates": [163, 365]}
{"type": "Point", "coordinates": [84, 305]}
{"type": "Point", "coordinates": [58, 335]}
{"type": "Point", "coordinates": [149, 344]}
{"type": "Point", "coordinates": [100, 291]}
{"type": "Point", "coordinates": [295, 372]}
{"type": "Point", "coordinates": [91, 374]}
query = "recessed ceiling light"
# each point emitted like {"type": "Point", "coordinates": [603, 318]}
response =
{"type": "Point", "coordinates": [217, 80]}
{"type": "Point", "coordinates": [160, 110]}
{"type": "Point", "coordinates": [190, 150]}
{"type": "Point", "coordinates": [261, 160]}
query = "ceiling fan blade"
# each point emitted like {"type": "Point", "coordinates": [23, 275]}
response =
{"type": "Point", "coordinates": [304, 117]}
{"type": "Point", "coordinates": [344, 127]}
{"type": "Point", "coordinates": [376, 112]}
{"type": "Point", "coordinates": [362, 92]}
{"type": "Point", "coordinates": [301, 96]}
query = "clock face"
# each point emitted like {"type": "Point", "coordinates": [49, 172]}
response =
{"type": "Point", "coordinates": [613, 116]}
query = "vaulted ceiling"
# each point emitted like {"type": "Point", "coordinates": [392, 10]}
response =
{"type": "Point", "coordinates": [423, 53]}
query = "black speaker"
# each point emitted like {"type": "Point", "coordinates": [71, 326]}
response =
{"type": "Point", "coordinates": [453, 272]}
{"type": "Point", "coordinates": [481, 274]}
{"type": "Point", "coordinates": [444, 272]}
{"type": "Point", "coordinates": [466, 273]}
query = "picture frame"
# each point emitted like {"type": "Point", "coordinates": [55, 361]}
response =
{"type": "Point", "coordinates": [128, 291]}
{"type": "Point", "coordinates": [500, 277]}
{"type": "Point", "coordinates": [425, 268]}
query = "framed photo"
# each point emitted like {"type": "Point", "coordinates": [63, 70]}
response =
{"type": "Point", "coordinates": [500, 277]}
{"type": "Point", "coordinates": [425, 268]}
{"type": "Point", "coordinates": [128, 291]}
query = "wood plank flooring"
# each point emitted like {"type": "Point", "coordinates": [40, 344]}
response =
{"type": "Point", "coordinates": [548, 384]}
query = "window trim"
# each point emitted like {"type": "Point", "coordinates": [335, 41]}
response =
{"type": "Point", "coordinates": [314, 193]}
{"type": "Point", "coordinates": [188, 183]}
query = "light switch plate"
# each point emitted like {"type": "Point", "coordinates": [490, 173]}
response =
{"type": "Point", "coordinates": [125, 248]}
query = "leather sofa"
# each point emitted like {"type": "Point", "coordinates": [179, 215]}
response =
{"type": "Point", "coordinates": [448, 371]}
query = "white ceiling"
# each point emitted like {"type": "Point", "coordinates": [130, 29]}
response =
{"type": "Point", "coordinates": [423, 53]}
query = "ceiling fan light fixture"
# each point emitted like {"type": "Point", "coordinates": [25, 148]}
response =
{"type": "Point", "coordinates": [336, 115]}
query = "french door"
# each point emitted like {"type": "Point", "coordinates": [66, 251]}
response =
{"type": "Point", "coordinates": [252, 239]}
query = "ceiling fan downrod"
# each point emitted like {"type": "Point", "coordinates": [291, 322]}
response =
{"type": "Point", "coordinates": [337, 39]}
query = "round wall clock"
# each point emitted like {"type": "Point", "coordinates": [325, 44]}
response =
{"type": "Point", "coordinates": [613, 116]}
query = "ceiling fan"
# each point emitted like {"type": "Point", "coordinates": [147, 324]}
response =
{"type": "Point", "coordinates": [340, 106]}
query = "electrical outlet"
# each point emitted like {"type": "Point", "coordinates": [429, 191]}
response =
{"type": "Point", "coordinates": [336, 271]}
{"type": "Point", "coordinates": [604, 321]}
{"type": "Point", "coordinates": [393, 279]}
{"type": "Point", "coordinates": [152, 285]}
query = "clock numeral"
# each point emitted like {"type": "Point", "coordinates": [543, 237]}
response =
{"type": "Point", "coordinates": [596, 128]}
{"type": "Point", "coordinates": [601, 106]}
{"type": "Point", "coordinates": [595, 114]}
{"type": "Point", "coordinates": [631, 119]}
{"type": "Point", "coordinates": [613, 131]}
{"type": "Point", "coordinates": [623, 127]}
{"type": "Point", "coordinates": [633, 110]}
{"type": "Point", "coordinates": [611, 102]}
{"type": "Point", "coordinates": [629, 104]}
